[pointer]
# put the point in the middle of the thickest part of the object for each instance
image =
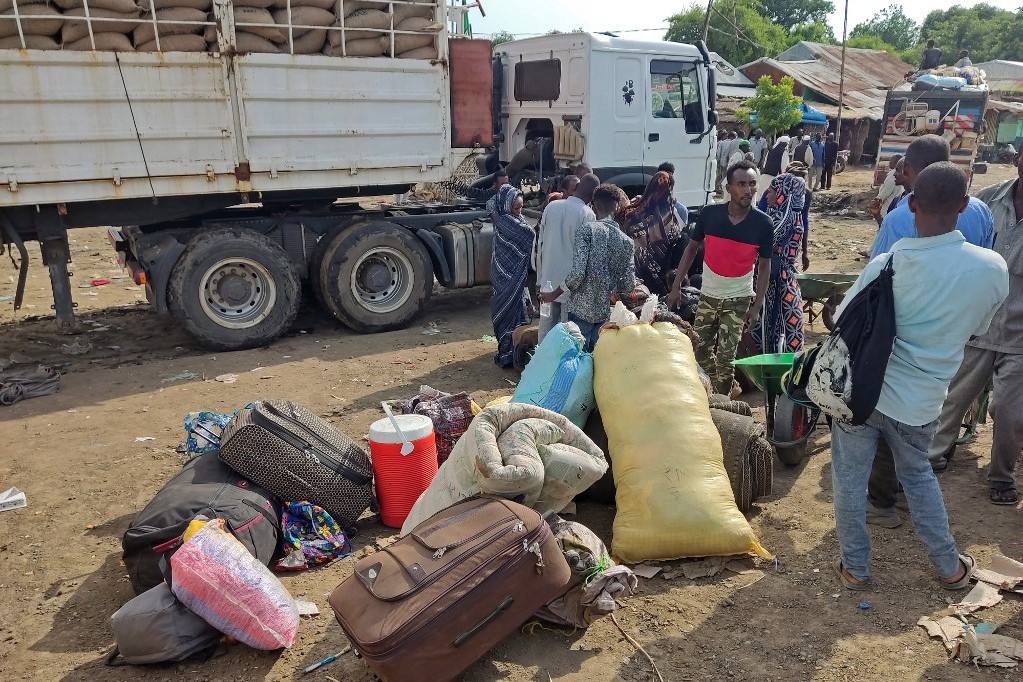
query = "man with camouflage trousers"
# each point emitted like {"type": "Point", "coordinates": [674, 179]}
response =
{"type": "Point", "coordinates": [735, 237]}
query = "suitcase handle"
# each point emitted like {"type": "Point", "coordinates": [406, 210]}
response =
{"type": "Point", "coordinates": [475, 630]}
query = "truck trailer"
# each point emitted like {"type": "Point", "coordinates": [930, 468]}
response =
{"type": "Point", "coordinates": [231, 177]}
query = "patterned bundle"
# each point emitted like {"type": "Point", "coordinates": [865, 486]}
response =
{"type": "Point", "coordinates": [217, 579]}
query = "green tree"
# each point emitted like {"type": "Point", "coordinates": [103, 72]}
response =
{"type": "Point", "coordinates": [775, 106]}
{"type": "Point", "coordinates": [815, 33]}
{"type": "Point", "coordinates": [986, 31]}
{"type": "Point", "coordinates": [789, 14]}
{"type": "Point", "coordinates": [738, 30]}
{"type": "Point", "coordinates": [890, 25]}
{"type": "Point", "coordinates": [501, 37]}
{"type": "Point", "coordinates": [871, 42]}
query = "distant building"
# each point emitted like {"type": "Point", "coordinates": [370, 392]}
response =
{"type": "Point", "coordinates": [1004, 118]}
{"type": "Point", "coordinates": [816, 69]}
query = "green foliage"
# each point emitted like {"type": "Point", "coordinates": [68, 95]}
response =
{"type": "Point", "coordinates": [738, 31]}
{"type": "Point", "coordinates": [871, 42]}
{"type": "Point", "coordinates": [814, 33]}
{"type": "Point", "coordinates": [775, 106]}
{"type": "Point", "coordinates": [501, 37]}
{"type": "Point", "coordinates": [986, 31]}
{"type": "Point", "coordinates": [790, 14]}
{"type": "Point", "coordinates": [892, 26]}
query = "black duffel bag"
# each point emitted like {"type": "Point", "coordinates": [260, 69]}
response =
{"type": "Point", "coordinates": [205, 486]}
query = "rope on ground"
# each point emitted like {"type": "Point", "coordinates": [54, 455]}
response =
{"type": "Point", "coordinates": [637, 645]}
{"type": "Point", "coordinates": [28, 383]}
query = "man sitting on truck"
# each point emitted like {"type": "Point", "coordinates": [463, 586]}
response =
{"type": "Point", "coordinates": [736, 238]}
{"type": "Point", "coordinates": [555, 247]}
{"type": "Point", "coordinates": [976, 222]}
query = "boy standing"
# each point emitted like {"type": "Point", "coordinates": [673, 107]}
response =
{"type": "Point", "coordinates": [946, 291]}
{"type": "Point", "coordinates": [602, 265]}
{"type": "Point", "coordinates": [735, 236]}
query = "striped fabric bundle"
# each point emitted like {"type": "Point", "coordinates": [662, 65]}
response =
{"type": "Point", "coordinates": [219, 580]}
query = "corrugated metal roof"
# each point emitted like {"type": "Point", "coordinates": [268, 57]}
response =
{"type": "Point", "coordinates": [727, 74]}
{"type": "Point", "coordinates": [869, 74]}
{"type": "Point", "coordinates": [1011, 107]}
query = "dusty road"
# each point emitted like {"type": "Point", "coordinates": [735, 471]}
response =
{"type": "Point", "coordinates": [76, 456]}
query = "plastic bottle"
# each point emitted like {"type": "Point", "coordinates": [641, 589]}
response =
{"type": "Point", "coordinates": [545, 308]}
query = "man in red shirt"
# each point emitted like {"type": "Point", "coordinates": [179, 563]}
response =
{"type": "Point", "coordinates": [735, 237]}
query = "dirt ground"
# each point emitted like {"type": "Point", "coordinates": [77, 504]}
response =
{"type": "Point", "coordinates": [76, 456]}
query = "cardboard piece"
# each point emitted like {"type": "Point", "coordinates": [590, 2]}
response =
{"type": "Point", "coordinates": [981, 596]}
{"type": "Point", "coordinates": [12, 499]}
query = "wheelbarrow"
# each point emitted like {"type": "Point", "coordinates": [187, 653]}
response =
{"type": "Point", "coordinates": [789, 425]}
{"type": "Point", "coordinates": [826, 290]}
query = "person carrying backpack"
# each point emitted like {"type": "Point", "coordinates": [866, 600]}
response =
{"type": "Point", "coordinates": [944, 291]}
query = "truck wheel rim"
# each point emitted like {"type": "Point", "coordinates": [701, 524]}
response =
{"type": "Point", "coordinates": [237, 293]}
{"type": "Point", "coordinates": [382, 280]}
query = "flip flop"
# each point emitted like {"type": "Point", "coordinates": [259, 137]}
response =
{"type": "Point", "coordinates": [967, 561]}
{"type": "Point", "coordinates": [1005, 496]}
{"type": "Point", "coordinates": [846, 583]}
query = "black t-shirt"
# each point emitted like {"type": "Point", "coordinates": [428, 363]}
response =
{"type": "Point", "coordinates": [730, 251]}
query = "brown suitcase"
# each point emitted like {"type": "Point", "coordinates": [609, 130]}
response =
{"type": "Point", "coordinates": [429, 605]}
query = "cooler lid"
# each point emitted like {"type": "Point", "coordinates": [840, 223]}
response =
{"type": "Point", "coordinates": [414, 426]}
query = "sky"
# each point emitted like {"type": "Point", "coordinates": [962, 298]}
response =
{"type": "Point", "coordinates": [530, 17]}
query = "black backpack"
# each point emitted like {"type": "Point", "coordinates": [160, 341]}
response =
{"type": "Point", "coordinates": [848, 368]}
{"type": "Point", "coordinates": [204, 486]}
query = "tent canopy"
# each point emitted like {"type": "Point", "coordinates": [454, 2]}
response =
{"type": "Point", "coordinates": [810, 116]}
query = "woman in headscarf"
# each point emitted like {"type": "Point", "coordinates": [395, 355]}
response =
{"type": "Point", "coordinates": [655, 228]}
{"type": "Point", "coordinates": [513, 242]}
{"type": "Point", "coordinates": [782, 322]}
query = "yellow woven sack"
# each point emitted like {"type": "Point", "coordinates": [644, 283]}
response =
{"type": "Point", "coordinates": [673, 495]}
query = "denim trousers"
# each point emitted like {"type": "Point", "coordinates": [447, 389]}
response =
{"type": "Point", "coordinates": [852, 455]}
{"type": "Point", "coordinates": [590, 331]}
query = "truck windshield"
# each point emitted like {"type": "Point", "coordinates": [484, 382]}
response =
{"type": "Point", "coordinates": [675, 93]}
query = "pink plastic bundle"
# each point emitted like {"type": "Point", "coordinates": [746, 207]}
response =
{"type": "Point", "coordinates": [219, 580]}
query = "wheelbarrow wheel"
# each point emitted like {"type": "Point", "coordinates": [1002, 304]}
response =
{"type": "Point", "coordinates": [791, 422]}
{"type": "Point", "coordinates": [830, 307]}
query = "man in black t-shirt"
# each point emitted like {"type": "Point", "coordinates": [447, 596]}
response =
{"type": "Point", "coordinates": [830, 157]}
{"type": "Point", "coordinates": [736, 238]}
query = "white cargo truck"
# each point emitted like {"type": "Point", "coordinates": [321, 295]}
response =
{"type": "Point", "coordinates": [623, 106]}
{"type": "Point", "coordinates": [220, 171]}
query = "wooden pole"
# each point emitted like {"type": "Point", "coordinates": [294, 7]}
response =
{"type": "Point", "coordinates": [841, 78]}
{"type": "Point", "coordinates": [706, 21]}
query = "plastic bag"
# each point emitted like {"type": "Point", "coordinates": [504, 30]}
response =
{"type": "Point", "coordinates": [560, 376]}
{"type": "Point", "coordinates": [673, 494]}
{"type": "Point", "coordinates": [218, 580]}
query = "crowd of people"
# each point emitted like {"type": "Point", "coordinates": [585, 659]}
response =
{"type": "Point", "coordinates": [956, 259]}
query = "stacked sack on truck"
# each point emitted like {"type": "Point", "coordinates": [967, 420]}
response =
{"type": "Point", "coordinates": [364, 28]}
{"type": "Point", "coordinates": [367, 31]}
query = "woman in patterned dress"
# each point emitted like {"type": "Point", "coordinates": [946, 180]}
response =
{"type": "Point", "coordinates": [784, 302]}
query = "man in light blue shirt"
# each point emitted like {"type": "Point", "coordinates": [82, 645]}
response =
{"type": "Point", "coordinates": [976, 222]}
{"type": "Point", "coordinates": [946, 291]}
{"type": "Point", "coordinates": [817, 147]}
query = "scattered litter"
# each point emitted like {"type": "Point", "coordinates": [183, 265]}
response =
{"type": "Point", "coordinates": [966, 644]}
{"type": "Point", "coordinates": [226, 378]}
{"type": "Point", "coordinates": [328, 659]}
{"type": "Point", "coordinates": [863, 606]}
{"type": "Point", "coordinates": [306, 608]}
{"type": "Point", "coordinates": [489, 339]}
{"type": "Point", "coordinates": [511, 383]}
{"type": "Point", "coordinates": [99, 329]}
{"type": "Point", "coordinates": [985, 627]}
{"type": "Point", "coordinates": [704, 568]}
{"type": "Point", "coordinates": [646, 570]}
{"type": "Point", "coordinates": [79, 347]}
{"type": "Point", "coordinates": [99, 281]}
{"type": "Point", "coordinates": [11, 499]}
{"type": "Point", "coordinates": [143, 439]}
{"type": "Point", "coordinates": [982, 596]}
{"type": "Point", "coordinates": [5, 298]}
{"type": "Point", "coordinates": [183, 376]}
{"type": "Point", "coordinates": [430, 331]}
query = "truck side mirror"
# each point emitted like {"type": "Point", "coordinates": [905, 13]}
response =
{"type": "Point", "coordinates": [712, 118]}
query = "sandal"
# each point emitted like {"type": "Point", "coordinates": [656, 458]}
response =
{"type": "Point", "coordinates": [969, 564]}
{"type": "Point", "coordinates": [1003, 496]}
{"type": "Point", "coordinates": [846, 583]}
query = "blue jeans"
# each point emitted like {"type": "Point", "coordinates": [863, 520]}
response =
{"type": "Point", "coordinates": [589, 330]}
{"type": "Point", "coordinates": [852, 454]}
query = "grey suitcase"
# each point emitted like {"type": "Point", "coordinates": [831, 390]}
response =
{"type": "Point", "coordinates": [297, 456]}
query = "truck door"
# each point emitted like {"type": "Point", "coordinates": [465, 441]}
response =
{"type": "Point", "coordinates": [629, 112]}
{"type": "Point", "coordinates": [675, 117]}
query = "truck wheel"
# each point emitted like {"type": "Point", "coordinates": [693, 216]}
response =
{"type": "Point", "coordinates": [376, 276]}
{"type": "Point", "coordinates": [234, 288]}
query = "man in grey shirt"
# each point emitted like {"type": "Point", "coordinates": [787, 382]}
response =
{"type": "Point", "coordinates": [554, 249]}
{"type": "Point", "coordinates": [997, 353]}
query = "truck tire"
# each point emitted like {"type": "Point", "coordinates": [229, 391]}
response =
{"type": "Point", "coordinates": [234, 288]}
{"type": "Point", "coordinates": [376, 276]}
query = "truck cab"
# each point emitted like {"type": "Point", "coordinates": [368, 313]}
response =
{"type": "Point", "coordinates": [634, 104]}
